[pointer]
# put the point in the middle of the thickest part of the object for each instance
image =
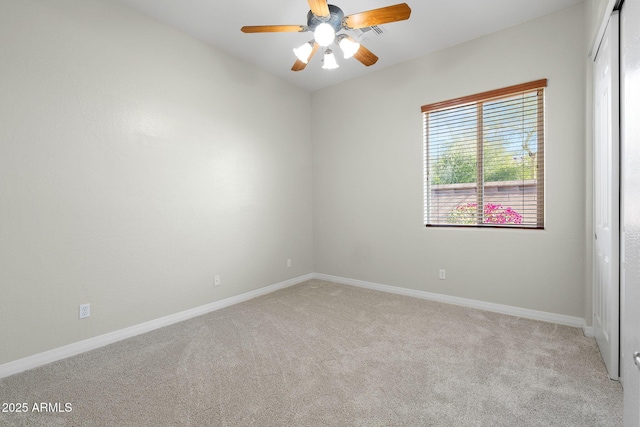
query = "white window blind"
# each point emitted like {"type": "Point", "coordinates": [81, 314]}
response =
{"type": "Point", "coordinates": [484, 159]}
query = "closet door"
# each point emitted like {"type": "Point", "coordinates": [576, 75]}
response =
{"type": "Point", "coordinates": [606, 286]}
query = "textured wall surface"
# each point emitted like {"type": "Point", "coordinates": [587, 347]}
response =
{"type": "Point", "coordinates": [370, 172]}
{"type": "Point", "coordinates": [135, 164]}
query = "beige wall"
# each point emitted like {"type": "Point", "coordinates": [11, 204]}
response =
{"type": "Point", "coordinates": [136, 163]}
{"type": "Point", "coordinates": [368, 174]}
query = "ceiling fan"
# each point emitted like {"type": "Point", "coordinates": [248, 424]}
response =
{"type": "Point", "coordinates": [325, 21]}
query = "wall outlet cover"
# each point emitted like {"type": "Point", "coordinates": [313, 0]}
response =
{"type": "Point", "coordinates": [85, 311]}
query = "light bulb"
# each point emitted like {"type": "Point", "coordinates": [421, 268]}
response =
{"type": "Point", "coordinates": [349, 47]}
{"type": "Point", "coordinates": [329, 60]}
{"type": "Point", "coordinates": [324, 34]}
{"type": "Point", "coordinates": [303, 52]}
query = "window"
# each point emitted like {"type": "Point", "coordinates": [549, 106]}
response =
{"type": "Point", "coordinates": [484, 159]}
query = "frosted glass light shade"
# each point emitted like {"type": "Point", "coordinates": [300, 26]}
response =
{"type": "Point", "coordinates": [303, 52]}
{"type": "Point", "coordinates": [349, 47]}
{"type": "Point", "coordinates": [329, 60]}
{"type": "Point", "coordinates": [324, 34]}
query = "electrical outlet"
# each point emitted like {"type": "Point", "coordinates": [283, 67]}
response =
{"type": "Point", "coordinates": [443, 274]}
{"type": "Point", "coordinates": [289, 263]}
{"type": "Point", "coordinates": [216, 280]}
{"type": "Point", "coordinates": [85, 311]}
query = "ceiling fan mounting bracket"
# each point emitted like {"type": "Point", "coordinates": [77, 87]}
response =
{"type": "Point", "coordinates": [335, 18]}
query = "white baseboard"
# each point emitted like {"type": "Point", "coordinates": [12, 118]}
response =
{"type": "Point", "coordinates": [588, 331]}
{"type": "Point", "coordinates": [488, 306]}
{"type": "Point", "coordinates": [59, 353]}
{"type": "Point", "coordinates": [50, 356]}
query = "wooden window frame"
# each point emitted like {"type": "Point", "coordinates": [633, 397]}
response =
{"type": "Point", "coordinates": [480, 99]}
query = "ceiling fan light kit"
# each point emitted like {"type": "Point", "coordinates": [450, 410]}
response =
{"type": "Point", "coordinates": [325, 21]}
{"type": "Point", "coordinates": [303, 53]}
{"type": "Point", "coordinates": [349, 46]}
{"type": "Point", "coordinates": [324, 34]}
{"type": "Point", "coordinates": [329, 61]}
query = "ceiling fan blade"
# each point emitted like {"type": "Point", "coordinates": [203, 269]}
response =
{"type": "Point", "coordinates": [273, 29]}
{"type": "Point", "coordinates": [299, 65]}
{"type": "Point", "coordinates": [319, 8]}
{"type": "Point", "coordinates": [365, 56]}
{"type": "Point", "coordinates": [384, 15]}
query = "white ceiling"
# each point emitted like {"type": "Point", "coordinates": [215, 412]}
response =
{"type": "Point", "coordinates": [434, 25]}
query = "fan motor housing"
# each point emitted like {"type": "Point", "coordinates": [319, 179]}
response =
{"type": "Point", "coordinates": [336, 15]}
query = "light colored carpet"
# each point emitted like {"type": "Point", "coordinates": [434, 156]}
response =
{"type": "Point", "coordinates": [322, 354]}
